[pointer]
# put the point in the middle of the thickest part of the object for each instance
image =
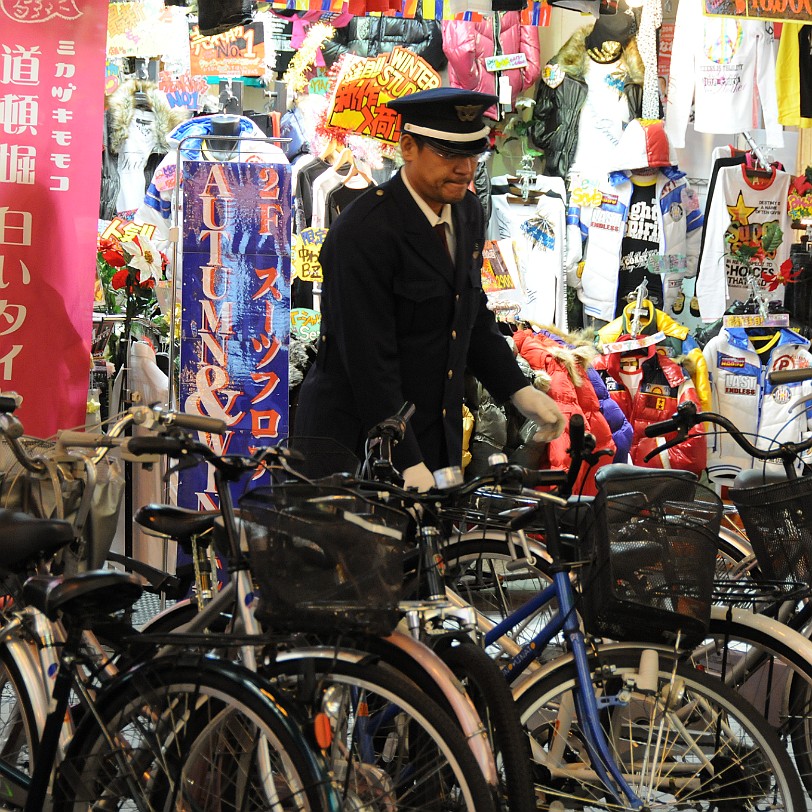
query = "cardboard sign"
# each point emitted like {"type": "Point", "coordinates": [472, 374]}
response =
{"type": "Point", "coordinates": [777, 10]}
{"type": "Point", "coordinates": [305, 324]}
{"type": "Point", "coordinates": [184, 90]}
{"type": "Point", "coordinates": [364, 87]}
{"type": "Point", "coordinates": [144, 29]}
{"type": "Point", "coordinates": [305, 254]}
{"type": "Point", "coordinates": [505, 62]}
{"type": "Point", "coordinates": [239, 51]}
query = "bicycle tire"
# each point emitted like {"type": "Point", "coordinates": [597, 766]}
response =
{"type": "Point", "coordinates": [787, 708]}
{"type": "Point", "coordinates": [747, 760]}
{"type": "Point", "coordinates": [19, 736]}
{"type": "Point", "coordinates": [487, 687]}
{"type": "Point", "coordinates": [191, 732]}
{"type": "Point", "coordinates": [451, 778]}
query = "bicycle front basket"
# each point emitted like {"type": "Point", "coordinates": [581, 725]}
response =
{"type": "Point", "coordinates": [778, 520]}
{"type": "Point", "coordinates": [651, 573]}
{"type": "Point", "coordinates": [325, 559]}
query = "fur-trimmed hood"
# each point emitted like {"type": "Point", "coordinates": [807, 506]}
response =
{"type": "Point", "coordinates": [574, 59]}
{"type": "Point", "coordinates": [121, 107]}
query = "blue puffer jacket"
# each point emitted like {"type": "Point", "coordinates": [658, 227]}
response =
{"type": "Point", "coordinates": [622, 431]}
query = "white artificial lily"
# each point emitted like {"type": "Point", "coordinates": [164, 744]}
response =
{"type": "Point", "coordinates": [145, 258]}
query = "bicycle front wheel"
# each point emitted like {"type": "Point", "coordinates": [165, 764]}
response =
{"type": "Point", "coordinates": [682, 740]}
{"type": "Point", "coordinates": [191, 734]}
{"type": "Point", "coordinates": [393, 749]}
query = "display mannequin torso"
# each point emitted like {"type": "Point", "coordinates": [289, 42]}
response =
{"type": "Point", "coordinates": [222, 145]}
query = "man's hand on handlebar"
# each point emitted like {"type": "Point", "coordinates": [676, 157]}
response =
{"type": "Point", "coordinates": [418, 477]}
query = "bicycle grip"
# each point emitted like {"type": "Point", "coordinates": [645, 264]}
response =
{"type": "Point", "coordinates": [154, 444]}
{"type": "Point", "coordinates": [780, 376]}
{"type": "Point", "coordinates": [196, 422]}
{"type": "Point", "coordinates": [405, 412]}
{"type": "Point", "coordinates": [9, 401]}
{"type": "Point", "coordinates": [661, 428]}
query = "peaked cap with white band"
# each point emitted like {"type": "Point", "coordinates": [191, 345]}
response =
{"type": "Point", "coordinates": [447, 116]}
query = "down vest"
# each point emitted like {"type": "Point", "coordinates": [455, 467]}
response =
{"type": "Point", "coordinates": [371, 36]}
{"type": "Point", "coordinates": [573, 393]}
{"type": "Point", "coordinates": [467, 44]}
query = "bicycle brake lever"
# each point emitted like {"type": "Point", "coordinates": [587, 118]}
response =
{"type": "Point", "coordinates": [681, 436]}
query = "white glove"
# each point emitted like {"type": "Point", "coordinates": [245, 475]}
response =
{"type": "Point", "coordinates": [418, 477]}
{"type": "Point", "coordinates": [542, 410]}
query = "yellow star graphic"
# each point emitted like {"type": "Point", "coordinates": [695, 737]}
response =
{"type": "Point", "coordinates": [740, 213]}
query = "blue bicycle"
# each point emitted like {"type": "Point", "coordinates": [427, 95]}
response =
{"type": "Point", "coordinates": [617, 726]}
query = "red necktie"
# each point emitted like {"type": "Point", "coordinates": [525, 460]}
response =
{"type": "Point", "coordinates": [440, 229]}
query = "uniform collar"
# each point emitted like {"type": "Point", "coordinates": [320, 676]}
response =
{"type": "Point", "coordinates": [445, 212]}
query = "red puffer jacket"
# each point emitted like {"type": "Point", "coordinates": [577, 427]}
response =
{"type": "Point", "coordinates": [466, 44]}
{"type": "Point", "coordinates": [661, 386]}
{"type": "Point", "coordinates": [574, 394]}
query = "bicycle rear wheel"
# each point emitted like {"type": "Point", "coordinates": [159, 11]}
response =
{"type": "Point", "coordinates": [393, 749]}
{"type": "Point", "coordinates": [690, 743]}
{"type": "Point", "coordinates": [193, 733]}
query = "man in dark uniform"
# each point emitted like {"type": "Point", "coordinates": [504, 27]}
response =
{"type": "Point", "coordinates": [403, 311]}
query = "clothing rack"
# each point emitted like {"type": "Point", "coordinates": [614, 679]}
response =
{"type": "Point", "coordinates": [756, 150]}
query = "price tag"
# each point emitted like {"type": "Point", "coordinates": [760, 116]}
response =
{"type": "Point", "coordinates": [633, 343]}
{"type": "Point", "coordinates": [505, 62]}
{"type": "Point", "coordinates": [745, 320]}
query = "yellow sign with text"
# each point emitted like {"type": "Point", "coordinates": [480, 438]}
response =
{"type": "Point", "coordinates": [305, 259]}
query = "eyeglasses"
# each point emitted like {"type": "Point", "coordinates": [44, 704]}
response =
{"type": "Point", "coordinates": [447, 155]}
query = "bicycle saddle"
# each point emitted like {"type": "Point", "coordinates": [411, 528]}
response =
{"type": "Point", "coordinates": [29, 538]}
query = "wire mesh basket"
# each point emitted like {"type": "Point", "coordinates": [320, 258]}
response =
{"type": "Point", "coordinates": [325, 559]}
{"type": "Point", "coordinates": [650, 573]}
{"type": "Point", "coordinates": [778, 520]}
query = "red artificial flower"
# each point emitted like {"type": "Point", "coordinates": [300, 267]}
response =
{"type": "Point", "coordinates": [120, 279]}
{"type": "Point", "coordinates": [785, 275]}
{"type": "Point", "coordinates": [114, 257]}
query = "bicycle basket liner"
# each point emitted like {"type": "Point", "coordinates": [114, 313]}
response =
{"type": "Point", "coordinates": [778, 521]}
{"type": "Point", "coordinates": [325, 559]}
{"type": "Point", "coordinates": [652, 568]}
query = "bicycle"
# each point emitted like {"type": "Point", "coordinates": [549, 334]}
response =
{"type": "Point", "coordinates": [433, 755]}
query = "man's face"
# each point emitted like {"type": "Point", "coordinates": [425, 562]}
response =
{"type": "Point", "coordinates": [437, 178]}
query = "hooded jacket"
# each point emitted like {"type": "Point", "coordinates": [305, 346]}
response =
{"type": "Point", "coordinates": [118, 118]}
{"type": "Point", "coordinates": [573, 393]}
{"type": "Point", "coordinates": [562, 92]}
{"type": "Point", "coordinates": [467, 44]}
{"type": "Point", "coordinates": [371, 36]}
{"type": "Point", "coordinates": [678, 343]}
{"type": "Point", "coordinates": [663, 384]}
{"type": "Point", "coordinates": [768, 414]}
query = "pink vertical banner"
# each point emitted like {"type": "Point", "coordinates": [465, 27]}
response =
{"type": "Point", "coordinates": [51, 108]}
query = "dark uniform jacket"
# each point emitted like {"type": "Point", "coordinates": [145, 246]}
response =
{"type": "Point", "coordinates": [400, 323]}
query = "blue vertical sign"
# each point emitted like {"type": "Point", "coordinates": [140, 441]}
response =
{"type": "Point", "coordinates": [235, 296]}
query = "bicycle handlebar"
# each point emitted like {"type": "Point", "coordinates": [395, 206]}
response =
{"type": "Point", "coordinates": [780, 376]}
{"type": "Point", "coordinates": [687, 416]}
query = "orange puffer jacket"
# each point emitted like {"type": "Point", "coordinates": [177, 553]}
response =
{"type": "Point", "coordinates": [574, 394]}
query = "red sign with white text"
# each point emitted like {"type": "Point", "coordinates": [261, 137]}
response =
{"type": "Point", "coordinates": [51, 109]}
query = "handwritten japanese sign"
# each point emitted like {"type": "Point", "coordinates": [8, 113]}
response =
{"type": "Point", "coordinates": [778, 10]}
{"type": "Point", "coordinates": [51, 113]}
{"type": "Point", "coordinates": [305, 324]}
{"type": "Point", "coordinates": [366, 85]}
{"type": "Point", "coordinates": [146, 28]}
{"type": "Point", "coordinates": [240, 51]}
{"type": "Point", "coordinates": [306, 247]}
{"type": "Point", "coordinates": [235, 303]}
{"type": "Point", "coordinates": [183, 91]}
